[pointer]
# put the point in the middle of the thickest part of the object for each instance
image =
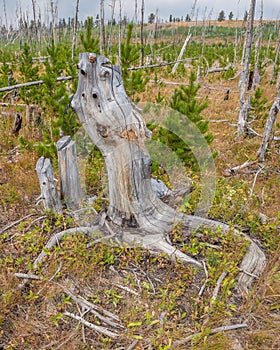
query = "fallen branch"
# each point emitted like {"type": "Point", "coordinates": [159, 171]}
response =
{"type": "Point", "coordinates": [206, 280]}
{"type": "Point", "coordinates": [92, 308]}
{"type": "Point", "coordinates": [133, 344]}
{"type": "Point", "coordinates": [255, 179]}
{"type": "Point", "coordinates": [218, 285]}
{"type": "Point", "coordinates": [236, 169]}
{"type": "Point", "coordinates": [34, 222]}
{"type": "Point", "coordinates": [56, 239]}
{"type": "Point", "coordinates": [161, 64]}
{"type": "Point", "coordinates": [27, 276]}
{"type": "Point", "coordinates": [98, 329]}
{"type": "Point", "coordinates": [213, 331]}
{"type": "Point", "coordinates": [16, 223]}
{"type": "Point", "coordinates": [219, 69]}
{"type": "Point", "coordinates": [31, 83]}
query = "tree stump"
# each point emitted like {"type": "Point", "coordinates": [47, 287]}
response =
{"type": "Point", "coordinates": [49, 193]}
{"type": "Point", "coordinates": [119, 131]}
{"type": "Point", "coordinates": [70, 188]}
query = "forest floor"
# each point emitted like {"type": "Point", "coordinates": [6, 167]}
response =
{"type": "Point", "coordinates": [150, 302]}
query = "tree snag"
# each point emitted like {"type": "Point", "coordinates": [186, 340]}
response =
{"type": "Point", "coordinates": [135, 213]}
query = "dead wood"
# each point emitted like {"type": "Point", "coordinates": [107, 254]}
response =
{"type": "Point", "coordinates": [213, 331]}
{"type": "Point", "coordinates": [31, 83]}
{"type": "Point", "coordinates": [49, 193]}
{"type": "Point", "coordinates": [117, 128]}
{"type": "Point", "coordinates": [135, 216]}
{"type": "Point", "coordinates": [270, 122]}
{"type": "Point", "coordinates": [6, 228]}
{"type": "Point", "coordinates": [70, 188]}
{"type": "Point", "coordinates": [99, 329]}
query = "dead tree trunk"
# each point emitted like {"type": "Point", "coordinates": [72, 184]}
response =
{"type": "Point", "coordinates": [102, 28]}
{"type": "Point", "coordinates": [70, 189]}
{"type": "Point", "coordinates": [244, 104]}
{"type": "Point", "coordinates": [49, 193]}
{"type": "Point", "coordinates": [75, 30]}
{"type": "Point", "coordinates": [276, 58]}
{"type": "Point", "coordinates": [267, 136]}
{"type": "Point", "coordinates": [117, 128]}
{"type": "Point", "coordinates": [256, 78]}
{"type": "Point", "coordinates": [142, 31]}
{"type": "Point", "coordinates": [181, 53]}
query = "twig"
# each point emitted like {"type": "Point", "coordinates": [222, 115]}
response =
{"type": "Point", "coordinates": [206, 280]}
{"type": "Point", "coordinates": [98, 329]}
{"type": "Point", "coordinates": [126, 289]}
{"type": "Point", "coordinates": [56, 272]}
{"type": "Point", "coordinates": [91, 308]}
{"type": "Point", "coordinates": [27, 276]}
{"type": "Point", "coordinates": [161, 64]}
{"type": "Point", "coordinates": [133, 344]}
{"type": "Point", "coordinates": [249, 274]}
{"type": "Point", "coordinates": [237, 168]}
{"type": "Point", "coordinates": [16, 223]}
{"type": "Point", "coordinates": [218, 285]}
{"type": "Point", "coordinates": [56, 238]}
{"type": "Point", "coordinates": [213, 331]}
{"type": "Point", "coordinates": [255, 179]}
{"type": "Point", "coordinates": [34, 222]}
{"type": "Point", "coordinates": [219, 121]}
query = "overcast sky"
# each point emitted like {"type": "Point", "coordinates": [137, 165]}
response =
{"type": "Point", "coordinates": [178, 8]}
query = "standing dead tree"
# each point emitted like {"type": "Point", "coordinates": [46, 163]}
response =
{"type": "Point", "coordinates": [142, 31]}
{"type": "Point", "coordinates": [102, 28]}
{"type": "Point", "coordinates": [135, 214]}
{"type": "Point", "coordinates": [270, 122]}
{"type": "Point", "coordinates": [256, 74]}
{"type": "Point", "coordinates": [75, 29]}
{"type": "Point", "coordinates": [245, 104]}
{"type": "Point", "coordinates": [276, 57]}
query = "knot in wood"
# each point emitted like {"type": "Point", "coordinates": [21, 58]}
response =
{"type": "Point", "coordinates": [102, 130]}
{"type": "Point", "coordinates": [92, 58]}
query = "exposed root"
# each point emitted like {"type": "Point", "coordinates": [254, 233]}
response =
{"type": "Point", "coordinates": [251, 266]}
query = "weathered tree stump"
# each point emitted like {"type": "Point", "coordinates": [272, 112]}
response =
{"type": "Point", "coordinates": [70, 188]}
{"type": "Point", "coordinates": [118, 130]}
{"type": "Point", "coordinates": [48, 183]}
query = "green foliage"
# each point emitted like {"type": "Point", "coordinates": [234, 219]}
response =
{"type": "Point", "coordinates": [184, 129]}
{"type": "Point", "coordinates": [89, 42]}
{"type": "Point", "coordinates": [134, 81]}
{"type": "Point", "coordinates": [259, 107]}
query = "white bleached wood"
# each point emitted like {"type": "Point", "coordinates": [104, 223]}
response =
{"type": "Point", "coordinates": [70, 188]}
{"type": "Point", "coordinates": [117, 128]}
{"type": "Point", "coordinates": [48, 183]}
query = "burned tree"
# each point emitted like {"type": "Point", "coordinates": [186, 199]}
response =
{"type": "Point", "coordinates": [135, 214]}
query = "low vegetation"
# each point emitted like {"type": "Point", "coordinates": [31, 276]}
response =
{"type": "Point", "coordinates": [88, 294]}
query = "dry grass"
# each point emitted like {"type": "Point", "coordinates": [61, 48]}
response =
{"type": "Point", "coordinates": [156, 300]}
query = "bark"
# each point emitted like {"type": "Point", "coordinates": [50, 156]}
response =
{"type": "Point", "coordinates": [17, 124]}
{"type": "Point", "coordinates": [244, 105]}
{"type": "Point", "coordinates": [267, 136]}
{"type": "Point", "coordinates": [117, 128]}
